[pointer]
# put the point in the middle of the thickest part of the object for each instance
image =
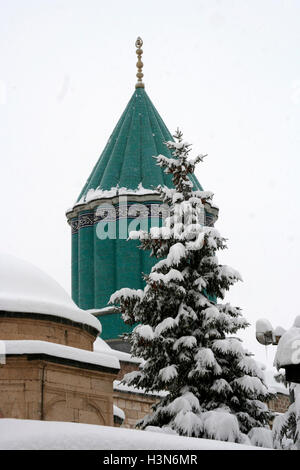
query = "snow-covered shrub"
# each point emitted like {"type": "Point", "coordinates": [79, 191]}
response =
{"type": "Point", "coordinates": [221, 425]}
{"type": "Point", "coordinates": [261, 437]}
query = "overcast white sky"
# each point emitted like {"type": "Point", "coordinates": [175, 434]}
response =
{"type": "Point", "coordinates": [227, 72]}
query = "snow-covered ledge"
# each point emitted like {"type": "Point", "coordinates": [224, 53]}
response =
{"type": "Point", "coordinates": [33, 347]}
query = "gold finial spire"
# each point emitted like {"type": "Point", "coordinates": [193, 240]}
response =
{"type": "Point", "coordinates": [139, 64]}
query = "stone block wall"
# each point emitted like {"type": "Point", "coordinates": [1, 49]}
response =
{"type": "Point", "coordinates": [137, 405]}
{"type": "Point", "coordinates": [134, 405]}
{"type": "Point", "coordinates": [280, 404]}
{"type": "Point", "coordinates": [40, 389]}
{"type": "Point", "coordinates": [125, 368]}
{"type": "Point", "coordinates": [44, 329]}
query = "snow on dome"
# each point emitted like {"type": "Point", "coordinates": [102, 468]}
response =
{"type": "Point", "coordinates": [99, 193]}
{"type": "Point", "coordinates": [100, 346]}
{"type": "Point", "coordinates": [26, 288]}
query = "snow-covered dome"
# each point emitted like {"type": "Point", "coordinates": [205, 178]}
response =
{"type": "Point", "coordinates": [26, 288]}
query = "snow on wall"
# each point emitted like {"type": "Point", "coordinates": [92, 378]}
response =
{"type": "Point", "coordinates": [25, 288]}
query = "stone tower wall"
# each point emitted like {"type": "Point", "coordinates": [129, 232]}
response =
{"type": "Point", "coordinates": [46, 328]}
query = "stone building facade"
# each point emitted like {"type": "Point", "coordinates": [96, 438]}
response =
{"type": "Point", "coordinates": [37, 388]}
{"type": "Point", "coordinates": [48, 369]}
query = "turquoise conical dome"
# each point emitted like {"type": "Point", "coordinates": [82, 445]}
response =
{"type": "Point", "coordinates": [126, 166]}
{"type": "Point", "coordinates": [127, 160]}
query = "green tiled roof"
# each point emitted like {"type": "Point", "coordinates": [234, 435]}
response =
{"type": "Point", "coordinates": [100, 267]}
{"type": "Point", "coordinates": [127, 160]}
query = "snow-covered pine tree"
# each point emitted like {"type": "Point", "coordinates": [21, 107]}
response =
{"type": "Point", "coordinates": [185, 336]}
